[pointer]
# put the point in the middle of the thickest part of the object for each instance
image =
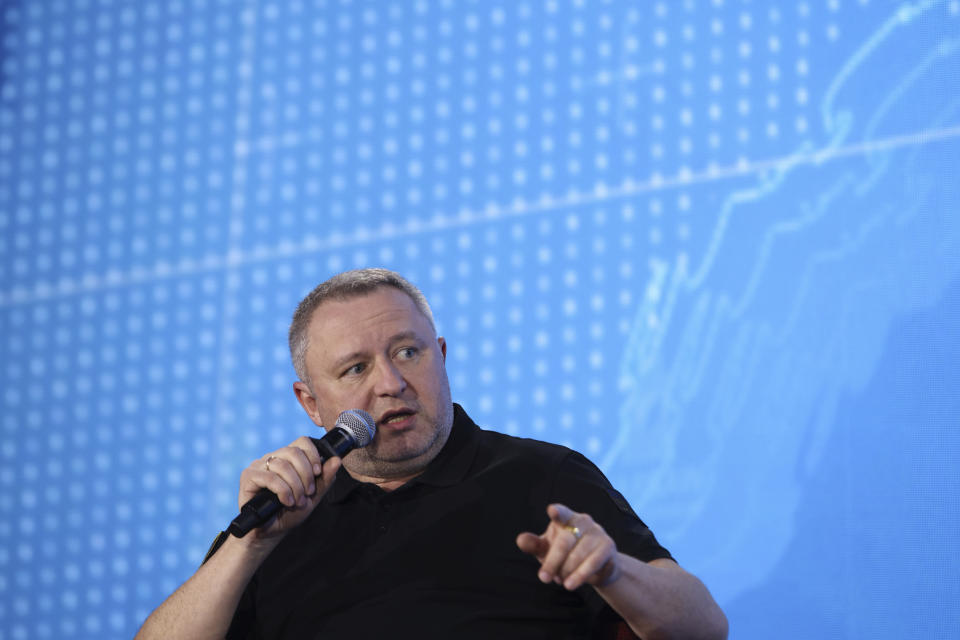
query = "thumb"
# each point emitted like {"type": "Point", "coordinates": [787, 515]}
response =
{"type": "Point", "coordinates": [327, 476]}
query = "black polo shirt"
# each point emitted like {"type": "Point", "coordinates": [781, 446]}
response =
{"type": "Point", "coordinates": [437, 557]}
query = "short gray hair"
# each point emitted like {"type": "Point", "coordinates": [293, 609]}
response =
{"type": "Point", "coordinates": [343, 286]}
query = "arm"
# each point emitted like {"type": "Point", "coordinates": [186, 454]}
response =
{"type": "Point", "coordinates": [660, 600]}
{"type": "Point", "coordinates": [203, 607]}
{"type": "Point", "coordinates": [657, 599]}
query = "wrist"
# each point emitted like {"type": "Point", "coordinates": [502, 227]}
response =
{"type": "Point", "coordinates": [252, 545]}
{"type": "Point", "coordinates": [608, 574]}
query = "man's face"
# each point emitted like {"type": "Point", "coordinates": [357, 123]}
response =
{"type": "Point", "coordinates": [377, 352]}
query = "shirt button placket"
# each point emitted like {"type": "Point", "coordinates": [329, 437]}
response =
{"type": "Point", "coordinates": [383, 516]}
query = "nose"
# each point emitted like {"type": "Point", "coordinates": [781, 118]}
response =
{"type": "Point", "coordinates": [389, 380]}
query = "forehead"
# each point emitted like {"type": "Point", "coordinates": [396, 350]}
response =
{"type": "Point", "coordinates": [362, 321]}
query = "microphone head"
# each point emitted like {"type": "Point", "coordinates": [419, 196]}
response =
{"type": "Point", "coordinates": [359, 424]}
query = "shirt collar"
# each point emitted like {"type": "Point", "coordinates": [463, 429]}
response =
{"type": "Point", "coordinates": [448, 468]}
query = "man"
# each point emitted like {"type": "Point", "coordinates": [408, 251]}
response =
{"type": "Point", "coordinates": [427, 532]}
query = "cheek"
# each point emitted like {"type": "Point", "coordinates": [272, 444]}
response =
{"type": "Point", "coordinates": [439, 387]}
{"type": "Point", "coordinates": [334, 403]}
{"type": "Point", "coordinates": [326, 408]}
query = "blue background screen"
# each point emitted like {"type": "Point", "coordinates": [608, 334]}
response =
{"type": "Point", "coordinates": [713, 245]}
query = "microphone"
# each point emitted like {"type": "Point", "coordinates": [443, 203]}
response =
{"type": "Point", "coordinates": [353, 428]}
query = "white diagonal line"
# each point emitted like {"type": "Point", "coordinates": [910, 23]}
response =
{"type": "Point", "coordinates": [466, 218]}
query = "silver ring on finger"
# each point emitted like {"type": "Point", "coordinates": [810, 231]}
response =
{"type": "Point", "coordinates": [267, 465]}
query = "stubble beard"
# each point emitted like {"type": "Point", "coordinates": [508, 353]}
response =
{"type": "Point", "coordinates": [411, 460]}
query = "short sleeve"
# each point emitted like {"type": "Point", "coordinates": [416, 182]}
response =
{"type": "Point", "coordinates": [580, 485]}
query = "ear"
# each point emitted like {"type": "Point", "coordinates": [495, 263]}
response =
{"type": "Point", "coordinates": [443, 347]}
{"type": "Point", "coordinates": [308, 401]}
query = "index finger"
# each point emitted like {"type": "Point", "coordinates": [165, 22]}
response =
{"type": "Point", "coordinates": [560, 513]}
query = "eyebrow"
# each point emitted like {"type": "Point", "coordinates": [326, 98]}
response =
{"type": "Point", "coordinates": [356, 355]}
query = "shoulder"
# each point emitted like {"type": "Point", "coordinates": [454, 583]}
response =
{"type": "Point", "coordinates": [533, 462]}
{"type": "Point", "coordinates": [495, 447]}
{"type": "Point", "coordinates": [515, 446]}
{"type": "Point", "coordinates": [542, 463]}
{"type": "Point", "coordinates": [564, 466]}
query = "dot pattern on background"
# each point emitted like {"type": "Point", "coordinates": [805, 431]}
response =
{"type": "Point", "coordinates": [106, 419]}
{"type": "Point", "coordinates": [175, 176]}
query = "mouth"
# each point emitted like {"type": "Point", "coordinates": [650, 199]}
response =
{"type": "Point", "coordinates": [396, 419]}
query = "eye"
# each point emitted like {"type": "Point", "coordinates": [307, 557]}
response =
{"type": "Point", "coordinates": [355, 370]}
{"type": "Point", "coordinates": [407, 353]}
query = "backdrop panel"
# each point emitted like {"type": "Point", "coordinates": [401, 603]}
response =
{"type": "Point", "coordinates": [712, 245]}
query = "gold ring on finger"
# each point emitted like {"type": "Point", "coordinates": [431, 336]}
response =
{"type": "Point", "coordinates": [574, 530]}
{"type": "Point", "coordinates": [267, 466]}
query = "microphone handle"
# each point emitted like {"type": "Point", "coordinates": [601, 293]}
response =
{"type": "Point", "coordinates": [262, 507]}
